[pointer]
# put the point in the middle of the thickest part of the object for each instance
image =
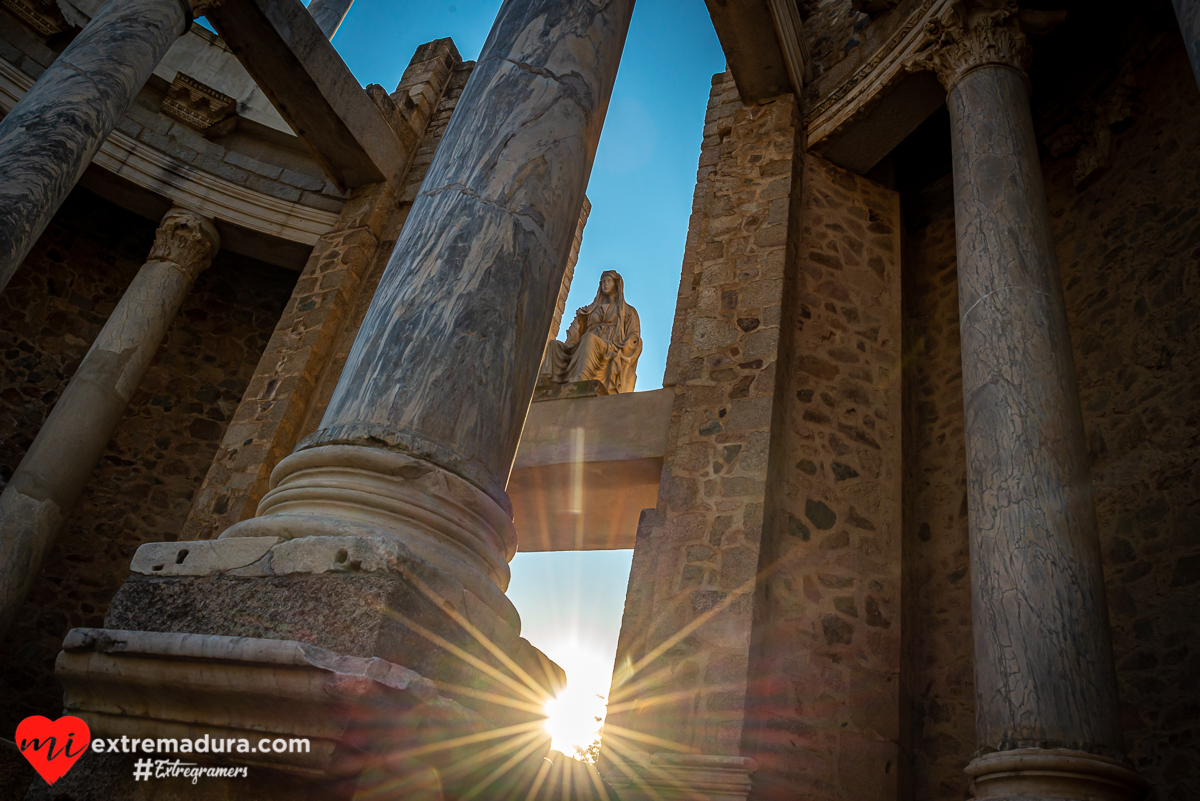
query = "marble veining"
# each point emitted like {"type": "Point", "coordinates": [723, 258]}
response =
{"type": "Point", "coordinates": [1043, 659]}
{"type": "Point", "coordinates": [50, 137]}
{"type": "Point", "coordinates": [446, 360]}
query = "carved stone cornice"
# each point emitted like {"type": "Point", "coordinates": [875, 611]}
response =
{"type": "Point", "coordinates": [968, 38]}
{"type": "Point", "coordinates": [41, 15]}
{"type": "Point", "coordinates": [186, 240]}
{"type": "Point", "coordinates": [196, 105]}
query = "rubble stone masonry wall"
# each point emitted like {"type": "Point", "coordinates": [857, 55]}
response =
{"type": "Point", "coordinates": [143, 486]}
{"type": "Point", "coordinates": [1129, 252]}
{"type": "Point", "coordinates": [826, 706]}
{"type": "Point", "coordinates": [686, 626]}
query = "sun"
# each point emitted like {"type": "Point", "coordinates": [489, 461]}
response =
{"type": "Point", "coordinates": [575, 717]}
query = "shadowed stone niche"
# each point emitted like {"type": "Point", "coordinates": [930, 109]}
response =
{"type": "Point", "coordinates": [1047, 707]}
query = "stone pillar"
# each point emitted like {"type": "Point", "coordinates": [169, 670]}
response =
{"type": "Point", "coordinates": [1045, 686]}
{"type": "Point", "coordinates": [419, 437]}
{"type": "Point", "coordinates": [1188, 12]}
{"type": "Point", "coordinates": [56, 469]}
{"type": "Point", "coordinates": [329, 14]}
{"type": "Point", "coordinates": [51, 135]}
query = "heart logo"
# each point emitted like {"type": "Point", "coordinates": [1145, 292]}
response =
{"type": "Point", "coordinates": [53, 746]}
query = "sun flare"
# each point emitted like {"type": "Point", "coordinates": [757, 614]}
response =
{"type": "Point", "coordinates": [575, 717]}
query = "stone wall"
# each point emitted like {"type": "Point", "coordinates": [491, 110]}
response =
{"type": "Point", "coordinates": [935, 516]}
{"type": "Point", "coordinates": [54, 307]}
{"type": "Point", "coordinates": [1128, 248]}
{"type": "Point", "coordinates": [826, 705]}
{"type": "Point", "coordinates": [683, 654]}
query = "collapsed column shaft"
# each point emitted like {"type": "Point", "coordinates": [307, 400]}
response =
{"type": "Point", "coordinates": [54, 472]}
{"type": "Point", "coordinates": [51, 135]}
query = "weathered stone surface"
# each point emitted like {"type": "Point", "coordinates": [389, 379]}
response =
{"type": "Point", "coordinates": [511, 171]}
{"type": "Point", "coordinates": [936, 539]}
{"type": "Point", "coordinates": [45, 488]}
{"type": "Point", "coordinates": [684, 643]}
{"type": "Point", "coordinates": [142, 485]}
{"type": "Point", "coordinates": [827, 708]}
{"type": "Point", "coordinates": [1037, 579]}
{"type": "Point", "coordinates": [266, 425]}
{"type": "Point", "coordinates": [48, 139]}
{"type": "Point", "coordinates": [357, 596]}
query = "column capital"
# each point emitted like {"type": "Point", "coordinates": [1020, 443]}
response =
{"type": "Point", "coordinates": [971, 36]}
{"type": "Point", "coordinates": [187, 240]}
{"type": "Point", "coordinates": [201, 7]}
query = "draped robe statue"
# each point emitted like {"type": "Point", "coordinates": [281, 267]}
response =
{"type": "Point", "coordinates": [603, 342]}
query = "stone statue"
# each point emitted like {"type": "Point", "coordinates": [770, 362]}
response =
{"type": "Point", "coordinates": [603, 342]}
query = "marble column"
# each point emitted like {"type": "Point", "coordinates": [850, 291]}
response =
{"type": "Point", "coordinates": [329, 14]}
{"type": "Point", "coordinates": [1045, 686]}
{"type": "Point", "coordinates": [51, 135]}
{"type": "Point", "coordinates": [1188, 12]}
{"type": "Point", "coordinates": [419, 437]}
{"type": "Point", "coordinates": [48, 483]}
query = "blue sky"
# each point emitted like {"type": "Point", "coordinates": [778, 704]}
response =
{"type": "Point", "coordinates": [641, 192]}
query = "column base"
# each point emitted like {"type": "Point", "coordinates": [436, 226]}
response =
{"type": "Point", "coordinates": [374, 728]}
{"type": "Point", "coordinates": [354, 490]}
{"type": "Point", "coordinates": [682, 777]}
{"type": "Point", "coordinates": [1054, 774]}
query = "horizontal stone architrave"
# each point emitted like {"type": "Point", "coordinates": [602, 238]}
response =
{"type": "Point", "coordinates": [853, 95]}
{"type": "Point", "coordinates": [186, 185]}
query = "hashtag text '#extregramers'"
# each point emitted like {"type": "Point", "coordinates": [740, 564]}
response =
{"type": "Point", "coordinates": [145, 769]}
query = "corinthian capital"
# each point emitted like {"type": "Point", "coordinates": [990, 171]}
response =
{"type": "Point", "coordinates": [970, 37]}
{"type": "Point", "coordinates": [186, 240]}
{"type": "Point", "coordinates": [202, 7]}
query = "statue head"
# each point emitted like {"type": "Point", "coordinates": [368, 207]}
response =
{"type": "Point", "coordinates": [611, 289]}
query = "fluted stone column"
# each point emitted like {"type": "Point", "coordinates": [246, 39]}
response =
{"type": "Point", "coordinates": [1188, 12]}
{"type": "Point", "coordinates": [329, 14]}
{"type": "Point", "coordinates": [51, 478]}
{"type": "Point", "coordinates": [1045, 685]}
{"type": "Point", "coordinates": [51, 135]}
{"type": "Point", "coordinates": [420, 434]}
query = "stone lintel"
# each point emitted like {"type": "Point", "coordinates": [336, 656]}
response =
{"type": "Point", "coordinates": [892, 115]}
{"type": "Point", "coordinates": [763, 45]}
{"type": "Point", "coordinates": [586, 468]}
{"type": "Point", "coordinates": [289, 57]}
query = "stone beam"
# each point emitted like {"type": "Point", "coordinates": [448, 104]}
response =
{"type": "Point", "coordinates": [288, 55]}
{"type": "Point", "coordinates": [763, 46]}
{"type": "Point", "coordinates": [586, 468]}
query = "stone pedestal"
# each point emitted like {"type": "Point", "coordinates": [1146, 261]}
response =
{"type": "Point", "coordinates": [1188, 12]}
{"type": "Point", "coordinates": [51, 135]}
{"type": "Point", "coordinates": [1046, 693]}
{"type": "Point", "coordinates": [47, 484]}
